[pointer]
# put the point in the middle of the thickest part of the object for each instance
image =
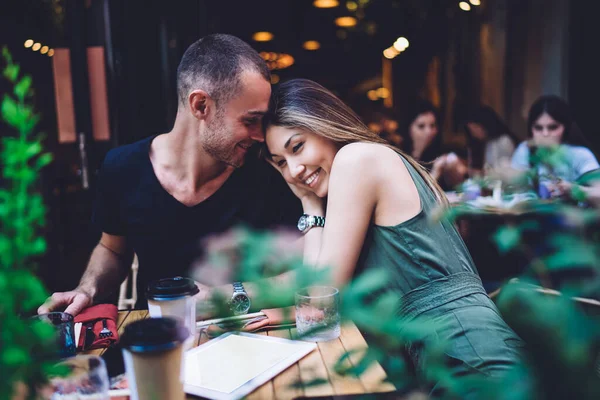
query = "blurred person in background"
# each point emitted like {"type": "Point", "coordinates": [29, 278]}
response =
{"type": "Point", "coordinates": [490, 142]}
{"type": "Point", "coordinates": [423, 142]}
{"type": "Point", "coordinates": [550, 125]}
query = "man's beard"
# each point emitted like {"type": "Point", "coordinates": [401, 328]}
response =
{"type": "Point", "coordinates": [217, 145]}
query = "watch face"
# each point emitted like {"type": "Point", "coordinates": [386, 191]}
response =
{"type": "Point", "coordinates": [240, 303]}
{"type": "Point", "coordinates": [302, 223]}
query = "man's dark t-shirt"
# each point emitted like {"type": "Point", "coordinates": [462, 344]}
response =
{"type": "Point", "coordinates": [165, 234]}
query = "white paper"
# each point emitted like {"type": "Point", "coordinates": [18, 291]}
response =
{"type": "Point", "coordinates": [233, 361]}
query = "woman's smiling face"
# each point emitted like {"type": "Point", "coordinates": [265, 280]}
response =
{"type": "Point", "coordinates": [302, 157]}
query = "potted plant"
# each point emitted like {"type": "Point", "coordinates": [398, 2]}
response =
{"type": "Point", "coordinates": [26, 345]}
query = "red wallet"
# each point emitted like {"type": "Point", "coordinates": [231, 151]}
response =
{"type": "Point", "coordinates": [99, 327]}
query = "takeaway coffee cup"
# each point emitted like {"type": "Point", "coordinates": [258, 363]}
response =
{"type": "Point", "coordinates": [174, 297]}
{"type": "Point", "coordinates": [153, 357]}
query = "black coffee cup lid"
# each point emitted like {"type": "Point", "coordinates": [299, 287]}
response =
{"type": "Point", "coordinates": [171, 288]}
{"type": "Point", "coordinates": [154, 334]}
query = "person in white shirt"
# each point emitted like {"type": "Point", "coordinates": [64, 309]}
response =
{"type": "Point", "coordinates": [550, 125]}
{"type": "Point", "coordinates": [490, 141]}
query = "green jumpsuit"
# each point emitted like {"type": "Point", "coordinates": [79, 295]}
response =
{"type": "Point", "coordinates": [430, 267]}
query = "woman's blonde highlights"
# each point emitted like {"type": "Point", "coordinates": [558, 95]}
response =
{"type": "Point", "coordinates": [302, 103]}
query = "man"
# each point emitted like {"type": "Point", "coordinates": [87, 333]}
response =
{"type": "Point", "coordinates": [160, 196]}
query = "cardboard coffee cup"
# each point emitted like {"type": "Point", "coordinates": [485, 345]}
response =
{"type": "Point", "coordinates": [174, 297]}
{"type": "Point", "coordinates": [153, 355]}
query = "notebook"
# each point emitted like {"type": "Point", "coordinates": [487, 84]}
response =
{"type": "Point", "coordinates": [234, 364]}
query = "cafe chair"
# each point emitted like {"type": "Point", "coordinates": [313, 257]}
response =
{"type": "Point", "coordinates": [587, 303]}
{"type": "Point", "coordinates": [128, 303]}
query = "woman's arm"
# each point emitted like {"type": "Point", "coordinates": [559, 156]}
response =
{"type": "Point", "coordinates": [520, 158]}
{"type": "Point", "coordinates": [354, 187]}
{"type": "Point", "coordinates": [353, 191]}
{"type": "Point", "coordinates": [312, 205]}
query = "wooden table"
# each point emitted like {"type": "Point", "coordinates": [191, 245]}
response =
{"type": "Point", "coordinates": [318, 364]}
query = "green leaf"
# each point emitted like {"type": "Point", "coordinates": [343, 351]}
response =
{"type": "Point", "coordinates": [38, 246]}
{"type": "Point", "coordinates": [10, 112]}
{"type": "Point", "coordinates": [507, 238]}
{"type": "Point", "coordinates": [11, 72]}
{"type": "Point", "coordinates": [43, 160]}
{"type": "Point", "coordinates": [22, 88]}
{"type": "Point", "coordinates": [32, 150]}
{"type": "Point", "coordinates": [577, 193]}
{"type": "Point", "coordinates": [369, 281]}
{"type": "Point", "coordinates": [6, 55]}
{"type": "Point", "coordinates": [14, 356]}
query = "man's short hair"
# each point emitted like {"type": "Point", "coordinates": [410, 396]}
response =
{"type": "Point", "coordinates": [215, 64]}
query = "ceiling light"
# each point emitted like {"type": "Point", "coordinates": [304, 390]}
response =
{"type": "Point", "coordinates": [464, 6]}
{"type": "Point", "coordinates": [372, 95]}
{"type": "Point", "coordinates": [50, 52]}
{"type": "Point", "coordinates": [262, 36]}
{"type": "Point", "coordinates": [382, 92]}
{"type": "Point", "coordinates": [274, 79]}
{"type": "Point", "coordinates": [401, 43]}
{"type": "Point", "coordinates": [28, 43]}
{"type": "Point", "coordinates": [311, 45]}
{"type": "Point", "coordinates": [390, 53]}
{"type": "Point", "coordinates": [284, 61]}
{"type": "Point", "coordinates": [277, 60]}
{"type": "Point", "coordinates": [326, 3]}
{"type": "Point", "coordinates": [44, 49]}
{"type": "Point", "coordinates": [351, 5]}
{"type": "Point", "coordinates": [36, 46]}
{"type": "Point", "coordinates": [345, 22]}
{"type": "Point", "coordinates": [475, 2]}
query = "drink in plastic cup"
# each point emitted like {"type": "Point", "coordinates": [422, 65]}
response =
{"type": "Point", "coordinates": [174, 297]}
{"type": "Point", "coordinates": [153, 357]}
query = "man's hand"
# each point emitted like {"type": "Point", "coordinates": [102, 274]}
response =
{"type": "Point", "coordinates": [74, 301]}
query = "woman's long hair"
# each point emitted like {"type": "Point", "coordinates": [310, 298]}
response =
{"type": "Point", "coordinates": [302, 103]}
{"type": "Point", "coordinates": [433, 149]}
{"type": "Point", "coordinates": [494, 128]}
{"type": "Point", "coordinates": [491, 122]}
{"type": "Point", "coordinates": [560, 111]}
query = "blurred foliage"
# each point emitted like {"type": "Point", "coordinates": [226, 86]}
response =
{"type": "Point", "coordinates": [562, 334]}
{"type": "Point", "coordinates": [561, 357]}
{"type": "Point", "coordinates": [561, 243]}
{"type": "Point", "coordinates": [26, 345]}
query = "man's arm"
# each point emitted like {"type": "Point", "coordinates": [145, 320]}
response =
{"type": "Point", "coordinates": [107, 268]}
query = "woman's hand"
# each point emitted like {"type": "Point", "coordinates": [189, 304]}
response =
{"type": "Point", "coordinates": [311, 203]}
{"type": "Point", "coordinates": [438, 166]}
{"type": "Point", "coordinates": [560, 188]}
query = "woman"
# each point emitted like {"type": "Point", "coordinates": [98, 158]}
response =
{"type": "Point", "coordinates": [377, 215]}
{"type": "Point", "coordinates": [491, 143]}
{"type": "Point", "coordinates": [550, 125]}
{"type": "Point", "coordinates": [423, 142]}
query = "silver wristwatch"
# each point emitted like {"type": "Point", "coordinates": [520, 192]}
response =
{"type": "Point", "coordinates": [308, 221]}
{"type": "Point", "coordinates": [240, 302]}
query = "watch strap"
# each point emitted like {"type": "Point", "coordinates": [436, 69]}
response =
{"type": "Point", "coordinates": [239, 288]}
{"type": "Point", "coordinates": [315, 220]}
